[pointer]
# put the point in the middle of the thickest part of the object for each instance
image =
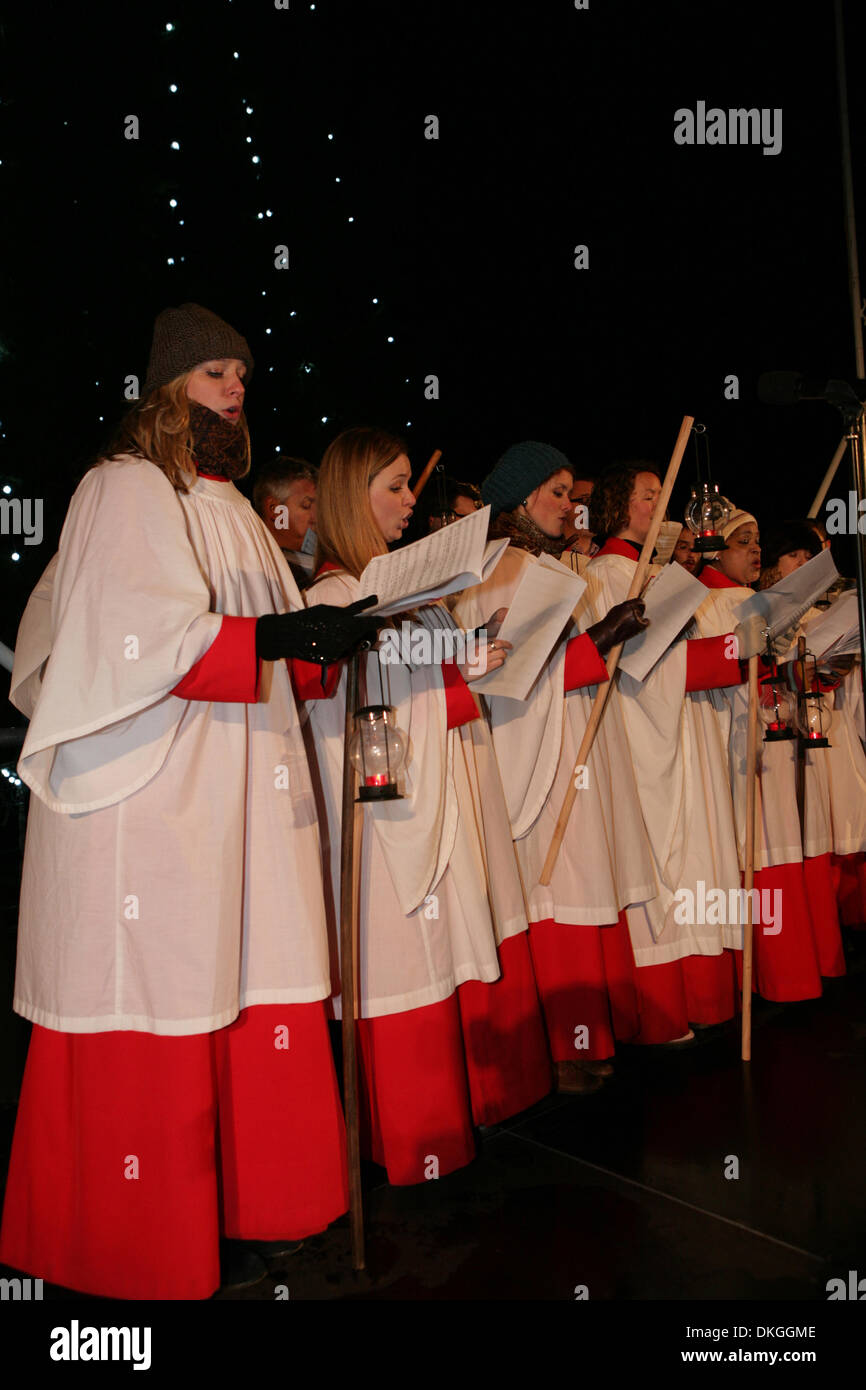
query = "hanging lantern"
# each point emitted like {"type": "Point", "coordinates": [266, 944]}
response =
{"type": "Point", "coordinates": [778, 712]}
{"type": "Point", "coordinates": [812, 721]}
{"type": "Point", "coordinates": [706, 514]}
{"type": "Point", "coordinates": [377, 751]}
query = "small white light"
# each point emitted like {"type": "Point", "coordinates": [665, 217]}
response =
{"type": "Point", "coordinates": [171, 260]}
{"type": "Point", "coordinates": [7, 489]}
{"type": "Point", "coordinates": [181, 222]}
{"type": "Point", "coordinates": [408, 424]}
{"type": "Point", "coordinates": [330, 136]}
{"type": "Point", "coordinates": [168, 28]}
{"type": "Point", "coordinates": [293, 314]}
{"type": "Point", "coordinates": [256, 159]}
{"type": "Point", "coordinates": [5, 771]}
{"type": "Point", "coordinates": [390, 340]}
{"type": "Point", "coordinates": [260, 216]}
{"type": "Point", "coordinates": [172, 87]}
{"type": "Point", "coordinates": [172, 202]}
{"type": "Point", "coordinates": [270, 369]}
{"type": "Point", "coordinates": [249, 110]}
{"type": "Point", "coordinates": [236, 54]}
{"type": "Point", "coordinates": [249, 139]}
{"type": "Point", "coordinates": [15, 555]}
{"type": "Point", "coordinates": [268, 212]}
{"type": "Point", "coordinates": [267, 330]}
{"type": "Point", "coordinates": [264, 291]}
{"type": "Point", "coordinates": [337, 180]}
{"type": "Point", "coordinates": [175, 145]}
{"type": "Point", "coordinates": [351, 219]}
{"type": "Point", "coordinates": [324, 419]}
{"type": "Point", "coordinates": [375, 301]}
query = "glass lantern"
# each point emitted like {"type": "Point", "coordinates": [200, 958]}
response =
{"type": "Point", "coordinates": [812, 721]}
{"type": "Point", "coordinates": [706, 514]}
{"type": "Point", "coordinates": [377, 751]}
{"type": "Point", "coordinates": [778, 712]}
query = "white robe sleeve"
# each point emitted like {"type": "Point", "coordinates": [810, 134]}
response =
{"type": "Point", "coordinates": [130, 615]}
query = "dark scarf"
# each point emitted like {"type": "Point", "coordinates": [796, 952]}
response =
{"type": "Point", "coordinates": [525, 535]}
{"type": "Point", "coordinates": [218, 446]}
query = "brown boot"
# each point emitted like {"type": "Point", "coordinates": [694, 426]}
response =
{"type": "Point", "coordinates": [572, 1080]}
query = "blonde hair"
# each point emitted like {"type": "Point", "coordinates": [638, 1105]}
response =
{"type": "Point", "coordinates": [158, 428]}
{"type": "Point", "coordinates": [347, 532]}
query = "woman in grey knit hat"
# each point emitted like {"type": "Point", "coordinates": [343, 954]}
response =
{"type": "Point", "coordinates": [173, 955]}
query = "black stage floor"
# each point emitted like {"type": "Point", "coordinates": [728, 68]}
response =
{"type": "Point", "coordinates": [624, 1193]}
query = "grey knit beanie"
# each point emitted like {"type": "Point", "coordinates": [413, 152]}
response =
{"type": "Point", "coordinates": [185, 337]}
{"type": "Point", "coordinates": [522, 469]}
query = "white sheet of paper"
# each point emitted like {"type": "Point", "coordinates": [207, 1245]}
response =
{"type": "Point", "coordinates": [669, 534]}
{"type": "Point", "coordinates": [454, 557]}
{"type": "Point", "coordinates": [539, 611]}
{"type": "Point", "coordinates": [836, 632]}
{"type": "Point", "coordinates": [782, 606]}
{"type": "Point", "coordinates": [672, 598]}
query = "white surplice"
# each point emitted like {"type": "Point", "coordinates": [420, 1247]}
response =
{"type": "Point", "coordinates": [439, 885]}
{"type": "Point", "coordinates": [171, 873]}
{"type": "Point", "coordinates": [680, 769]}
{"type": "Point", "coordinates": [605, 862]}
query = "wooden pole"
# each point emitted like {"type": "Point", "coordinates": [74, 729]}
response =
{"type": "Point", "coordinates": [848, 191]}
{"type": "Point", "coordinates": [801, 751]}
{"type": "Point", "coordinates": [751, 801]}
{"type": "Point", "coordinates": [348, 937]}
{"type": "Point", "coordinates": [829, 476]}
{"type": "Point", "coordinates": [428, 469]}
{"type": "Point", "coordinates": [614, 654]}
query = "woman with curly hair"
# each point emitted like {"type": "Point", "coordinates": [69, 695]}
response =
{"type": "Point", "coordinates": [683, 973]}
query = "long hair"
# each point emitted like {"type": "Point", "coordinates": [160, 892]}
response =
{"type": "Point", "coordinates": [346, 530]}
{"type": "Point", "coordinates": [608, 505]}
{"type": "Point", "coordinates": [158, 428]}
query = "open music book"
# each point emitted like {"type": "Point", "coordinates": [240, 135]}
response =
{"type": "Point", "coordinates": [453, 558]}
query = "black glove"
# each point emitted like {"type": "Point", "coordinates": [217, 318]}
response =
{"type": "Point", "coordinates": [324, 633]}
{"type": "Point", "coordinates": [623, 621]}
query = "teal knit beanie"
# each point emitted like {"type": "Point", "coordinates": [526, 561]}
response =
{"type": "Point", "coordinates": [522, 469]}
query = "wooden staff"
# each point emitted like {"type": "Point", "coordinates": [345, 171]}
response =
{"type": "Point", "coordinates": [615, 652]}
{"type": "Point", "coordinates": [801, 749]}
{"type": "Point", "coordinates": [751, 801]}
{"type": "Point", "coordinates": [428, 469]}
{"type": "Point", "coordinates": [349, 895]}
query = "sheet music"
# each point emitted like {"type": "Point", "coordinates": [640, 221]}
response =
{"type": "Point", "coordinates": [672, 598]}
{"type": "Point", "coordinates": [539, 611]}
{"type": "Point", "coordinates": [431, 567]}
{"type": "Point", "coordinates": [836, 632]}
{"type": "Point", "coordinates": [781, 607]}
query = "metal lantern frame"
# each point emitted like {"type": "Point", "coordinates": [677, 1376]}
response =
{"type": "Point", "coordinates": [705, 494]}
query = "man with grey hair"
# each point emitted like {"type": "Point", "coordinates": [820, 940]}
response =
{"type": "Point", "coordinates": [284, 495]}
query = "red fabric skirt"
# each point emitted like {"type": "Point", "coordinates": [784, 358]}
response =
{"type": "Point", "coordinates": [428, 1074]}
{"type": "Point", "coordinates": [821, 899]}
{"type": "Point", "coordinates": [712, 994]}
{"type": "Point", "coordinates": [786, 961]}
{"type": "Point", "coordinates": [849, 873]}
{"type": "Point", "coordinates": [133, 1153]}
{"type": "Point", "coordinates": [586, 979]}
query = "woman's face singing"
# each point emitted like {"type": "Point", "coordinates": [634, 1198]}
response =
{"type": "Point", "coordinates": [549, 505]}
{"type": "Point", "coordinates": [391, 501]}
{"type": "Point", "coordinates": [219, 385]}
{"type": "Point", "coordinates": [642, 504]}
{"type": "Point", "coordinates": [742, 559]}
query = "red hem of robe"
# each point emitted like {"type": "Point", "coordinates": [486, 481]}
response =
{"type": "Point", "coordinates": [584, 664]}
{"type": "Point", "coordinates": [232, 1136]}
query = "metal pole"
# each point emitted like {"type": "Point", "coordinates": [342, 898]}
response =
{"type": "Point", "coordinates": [848, 185]}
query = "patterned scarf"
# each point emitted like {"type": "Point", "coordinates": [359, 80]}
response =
{"type": "Point", "coordinates": [525, 535]}
{"type": "Point", "coordinates": [218, 445]}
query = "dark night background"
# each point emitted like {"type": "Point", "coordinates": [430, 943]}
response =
{"type": "Point", "coordinates": [556, 129]}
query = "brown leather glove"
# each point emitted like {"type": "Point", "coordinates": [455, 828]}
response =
{"type": "Point", "coordinates": [624, 620]}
